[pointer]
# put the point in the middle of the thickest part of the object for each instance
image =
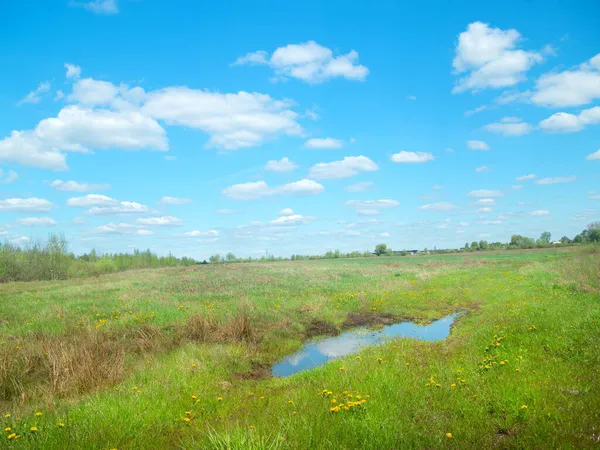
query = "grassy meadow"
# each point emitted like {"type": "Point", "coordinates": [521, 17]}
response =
{"type": "Point", "coordinates": [180, 357]}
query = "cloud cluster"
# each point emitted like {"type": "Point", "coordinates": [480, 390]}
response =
{"type": "Point", "coordinates": [259, 189]}
{"type": "Point", "coordinates": [562, 122]}
{"type": "Point", "coordinates": [308, 62]}
{"type": "Point", "coordinates": [348, 167]}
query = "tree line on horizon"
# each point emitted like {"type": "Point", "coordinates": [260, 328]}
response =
{"type": "Point", "coordinates": [53, 261]}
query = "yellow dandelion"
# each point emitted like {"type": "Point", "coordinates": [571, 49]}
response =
{"type": "Point", "coordinates": [12, 436]}
{"type": "Point", "coordinates": [453, 385]}
{"type": "Point", "coordinates": [341, 369]}
{"type": "Point", "coordinates": [219, 399]}
{"type": "Point", "coordinates": [7, 415]}
{"type": "Point", "coordinates": [7, 429]}
{"type": "Point", "coordinates": [186, 419]}
{"type": "Point", "coordinates": [61, 425]}
{"type": "Point", "coordinates": [33, 429]}
{"type": "Point", "coordinates": [524, 407]}
{"type": "Point", "coordinates": [449, 435]}
{"type": "Point", "coordinates": [194, 397]}
{"type": "Point", "coordinates": [38, 414]}
{"type": "Point", "coordinates": [294, 413]}
{"type": "Point", "coordinates": [188, 413]}
{"type": "Point", "coordinates": [252, 427]}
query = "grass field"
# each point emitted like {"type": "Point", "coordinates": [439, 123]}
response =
{"type": "Point", "coordinates": [180, 358]}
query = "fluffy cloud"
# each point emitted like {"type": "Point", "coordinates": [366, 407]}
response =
{"type": "Point", "coordinates": [562, 122]}
{"type": "Point", "coordinates": [348, 167]}
{"type": "Point", "coordinates": [385, 234]}
{"type": "Point", "coordinates": [555, 180]}
{"type": "Point", "coordinates": [34, 96]}
{"type": "Point", "coordinates": [411, 157]}
{"type": "Point", "coordinates": [292, 220]}
{"type": "Point", "coordinates": [486, 202]}
{"type": "Point", "coordinates": [74, 186]}
{"type": "Point", "coordinates": [309, 62]}
{"type": "Point", "coordinates": [283, 165]}
{"type": "Point", "coordinates": [510, 126]}
{"type": "Point", "coordinates": [144, 232]}
{"type": "Point", "coordinates": [286, 212]}
{"type": "Point", "coordinates": [485, 210]}
{"type": "Point", "coordinates": [531, 176]}
{"type": "Point", "coordinates": [359, 187]}
{"type": "Point", "coordinates": [485, 193]}
{"type": "Point", "coordinates": [482, 169]}
{"type": "Point", "coordinates": [91, 200]}
{"type": "Point", "coordinates": [166, 221]}
{"type": "Point", "coordinates": [116, 228]}
{"type": "Point", "coordinates": [593, 156]}
{"type": "Point", "coordinates": [472, 112]}
{"type": "Point", "coordinates": [73, 71]}
{"type": "Point", "coordinates": [366, 205]}
{"type": "Point", "coordinates": [26, 205]}
{"type": "Point", "coordinates": [477, 145]}
{"type": "Point", "coordinates": [540, 212]}
{"type": "Point", "coordinates": [78, 129]}
{"type": "Point", "coordinates": [120, 208]}
{"type": "Point", "coordinates": [259, 189]}
{"type": "Point", "coordinates": [575, 87]}
{"type": "Point", "coordinates": [38, 221]}
{"type": "Point", "coordinates": [323, 143]}
{"type": "Point", "coordinates": [489, 58]}
{"type": "Point", "coordinates": [232, 121]}
{"type": "Point", "coordinates": [174, 201]}
{"type": "Point", "coordinates": [100, 7]}
{"type": "Point", "coordinates": [197, 233]}
{"type": "Point", "coordinates": [440, 206]}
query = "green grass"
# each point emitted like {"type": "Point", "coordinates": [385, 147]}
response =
{"type": "Point", "coordinates": [541, 307]}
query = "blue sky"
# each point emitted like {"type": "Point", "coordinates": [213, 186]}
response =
{"type": "Point", "coordinates": [206, 127]}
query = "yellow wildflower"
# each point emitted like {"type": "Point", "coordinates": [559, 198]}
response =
{"type": "Point", "coordinates": [12, 436]}
{"type": "Point", "coordinates": [38, 414]}
{"type": "Point", "coordinates": [449, 435]}
{"type": "Point", "coordinates": [33, 429]}
{"type": "Point", "coordinates": [219, 399]}
{"type": "Point", "coordinates": [524, 407]}
{"type": "Point", "coordinates": [61, 425]}
{"type": "Point", "coordinates": [186, 419]}
{"type": "Point", "coordinates": [7, 429]}
{"type": "Point", "coordinates": [252, 427]}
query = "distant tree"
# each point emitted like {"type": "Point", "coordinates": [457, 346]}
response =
{"type": "Point", "coordinates": [565, 240]}
{"type": "Point", "coordinates": [230, 257]}
{"type": "Point", "coordinates": [474, 246]}
{"type": "Point", "coordinates": [467, 246]}
{"type": "Point", "coordinates": [593, 226]}
{"type": "Point", "coordinates": [483, 245]}
{"type": "Point", "coordinates": [578, 239]}
{"type": "Point", "coordinates": [382, 249]}
{"type": "Point", "coordinates": [594, 235]}
{"type": "Point", "coordinates": [215, 259]}
{"type": "Point", "coordinates": [546, 237]}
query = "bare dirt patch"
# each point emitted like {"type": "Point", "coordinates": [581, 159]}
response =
{"type": "Point", "coordinates": [321, 328]}
{"type": "Point", "coordinates": [370, 318]}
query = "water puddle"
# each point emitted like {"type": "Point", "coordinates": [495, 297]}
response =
{"type": "Point", "coordinates": [317, 352]}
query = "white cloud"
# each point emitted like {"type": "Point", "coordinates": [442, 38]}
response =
{"type": "Point", "coordinates": [324, 143]}
{"type": "Point", "coordinates": [472, 112]}
{"type": "Point", "coordinates": [348, 167]}
{"type": "Point", "coordinates": [593, 156]}
{"type": "Point", "coordinates": [484, 235]}
{"type": "Point", "coordinates": [368, 212]}
{"type": "Point", "coordinates": [309, 62]}
{"type": "Point", "coordinates": [386, 235]}
{"type": "Point", "coordinates": [116, 228]}
{"type": "Point", "coordinates": [74, 186]}
{"type": "Point", "coordinates": [489, 58]}
{"type": "Point", "coordinates": [486, 202]}
{"type": "Point", "coordinates": [10, 177]}
{"type": "Point", "coordinates": [531, 176]}
{"type": "Point", "coordinates": [437, 187]}
{"type": "Point", "coordinates": [575, 87]}
{"type": "Point", "coordinates": [101, 7]}
{"type": "Point", "coordinates": [412, 97]}
{"type": "Point", "coordinates": [371, 205]}
{"type": "Point", "coordinates": [26, 205]}
{"type": "Point", "coordinates": [144, 232]}
{"type": "Point", "coordinates": [411, 157]}
{"type": "Point", "coordinates": [286, 212]}
{"type": "Point", "coordinates": [513, 96]}
{"type": "Point", "coordinates": [174, 201]}
{"type": "Point", "coordinates": [442, 227]}
{"type": "Point", "coordinates": [485, 210]}
{"type": "Point", "coordinates": [562, 122]}
{"type": "Point", "coordinates": [292, 220]}
{"type": "Point", "coordinates": [482, 169]}
{"type": "Point", "coordinates": [477, 145]}
{"type": "Point", "coordinates": [165, 221]}
{"type": "Point", "coordinates": [259, 189]}
{"type": "Point", "coordinates": [73, 71]}
{"type": "Point", "coordinates": [440, 206]}
{"type": "Point", "coordinates": [77, 129]}
{"type": "Point", "coordinates": [38, 221]}
{"type": "Point", "coordinates": [485, 193]}
{"type": "Point", "coordinates": [555, 180]}
{"type": "Point", "coordinates": [464, 224]}
{"type": "Point", "coordinates": [90, 200]}
{"type": "Point", "coordinates": [197, 233]}
{"type": "Point", "coordinates": [226, 212]}
{"type": "Point", "coordinates": [34, 96]}
{"type": "Point", "coordinates": [359, 187]}
{"type": "Point", "coordinates": [283, 165]}
{"type": "Point", "coordinates": [232, 121]}
{"type": "Point", "coordinates": [508, 126]}
{"type": "Point", "coordinates": [121, 208]}
{"type": "Point", "coordinates": [490, 222]}
{"type": "Point", "coordinates": [540, 212]}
